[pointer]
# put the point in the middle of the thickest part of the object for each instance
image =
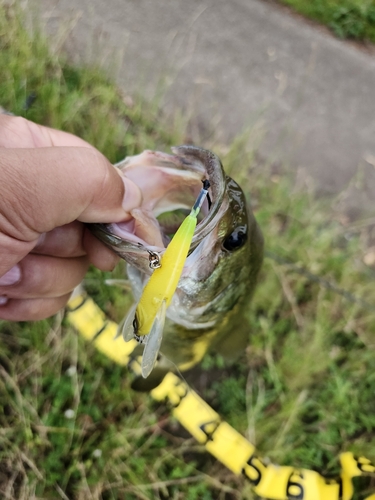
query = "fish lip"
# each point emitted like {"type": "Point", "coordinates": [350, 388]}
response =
{"type": "Point", "coordinates": [217, 178]}
{"type": "Point", "coordinates": [137, 254]}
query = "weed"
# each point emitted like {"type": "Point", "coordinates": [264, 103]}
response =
{"type": "Point", "coordinates": [303, 391]}
{"type": "Point", "coordinates": [346, 18]}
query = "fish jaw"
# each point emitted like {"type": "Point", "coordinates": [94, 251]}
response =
{"type": "Point", "coordinates": [168, 183]}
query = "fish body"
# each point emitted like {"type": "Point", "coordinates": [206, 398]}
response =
{"type": "Point", "coordinates": [226, 252]}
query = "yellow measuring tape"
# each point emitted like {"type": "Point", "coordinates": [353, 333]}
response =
{"type": "Point", "coordinates": [269, 481]}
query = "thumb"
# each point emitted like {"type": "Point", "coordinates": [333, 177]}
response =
{"type": "Point", "coordinates": [43, 188]}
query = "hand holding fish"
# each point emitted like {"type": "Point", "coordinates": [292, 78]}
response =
{"type": "Point", "coordinates": [52, 182]}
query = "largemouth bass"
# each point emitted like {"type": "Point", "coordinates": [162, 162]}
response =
{"type": "Point", "coordinates": [226, 252]}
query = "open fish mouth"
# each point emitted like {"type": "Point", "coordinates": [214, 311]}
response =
{"type": "Point", "coordinates": [170, 185]}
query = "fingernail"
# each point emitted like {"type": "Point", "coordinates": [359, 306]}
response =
{"type": "Point", "coordinates": [3, 300]}
{"type": "Point", "coordinates": [133, 195]}
{"type": "Point", "coordinates": [11, 277]}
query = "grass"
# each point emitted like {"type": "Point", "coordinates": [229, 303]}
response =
{"type": "Point", "coordinates": [353, 19]}
{"type": "Point", "coordinates": [70, 426]}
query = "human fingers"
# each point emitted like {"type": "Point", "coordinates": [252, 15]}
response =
{"type": "Point", "coordinates": [98, 254]}
{"type": "Point", "coordinates": [63, 241]}
{"type": "Point", "coordinates": [44, 188]}
{"type": "Point", "coordinates": [17, 132]}
{"type": "Point", "coordinates": [47, 277]}
{"type": "Point", "coordinates": [48, 187]}
{"type": "Point", "coordinates": [75, 240]}
{"type": "Point", "coordinates": [40, 276]}
{"type": "Point", "coordinates": [31, 309]}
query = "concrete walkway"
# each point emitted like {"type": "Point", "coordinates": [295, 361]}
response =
{"type": "Point", "coordinates": [237, 63]}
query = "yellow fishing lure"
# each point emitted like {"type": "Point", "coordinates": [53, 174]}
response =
{"type": "Point", "coordinates": [145, 321]}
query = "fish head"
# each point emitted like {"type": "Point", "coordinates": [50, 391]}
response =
{"type": "Point", "coordinates": [221, 271]}
{"type": "Point", "coordinates": [226, 249]}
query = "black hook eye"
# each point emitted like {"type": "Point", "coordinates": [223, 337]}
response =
{"type": "Point", "coordinates": [236, 239]}
{"type": "Point", "coordinates": [206, 185]}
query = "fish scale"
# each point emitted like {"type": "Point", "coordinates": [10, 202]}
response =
{"type": "Point", "coordinates": [218, 278]}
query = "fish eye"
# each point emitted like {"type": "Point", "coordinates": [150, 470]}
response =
{"type": "Point", "coordinates": [236, 239]}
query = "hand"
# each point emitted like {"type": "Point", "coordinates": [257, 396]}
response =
{"type": "Point", "coordinates": [50, 183]}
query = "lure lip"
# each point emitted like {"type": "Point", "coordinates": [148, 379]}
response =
{"type": "Point", "coordinates": [200, 161]}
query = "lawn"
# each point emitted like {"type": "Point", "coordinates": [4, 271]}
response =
{"type": "Point", "coordinates": [353, 19]}
{"type": "Point", "coordinates": [302, 392]}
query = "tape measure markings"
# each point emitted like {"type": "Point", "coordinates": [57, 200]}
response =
{"type": "Point", "coordinates": [270, 481]}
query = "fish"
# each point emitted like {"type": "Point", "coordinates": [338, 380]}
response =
{"type": "Point", "coordinates": [145, 322]}
{"type": "Point", "coordinates": [219, 275]}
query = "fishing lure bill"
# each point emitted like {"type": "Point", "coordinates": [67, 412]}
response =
{"type": "Point", "coordinates": [145, 321]}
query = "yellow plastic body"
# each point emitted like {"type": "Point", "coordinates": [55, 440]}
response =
{"type": "Point", "coordinates": [164, 280]}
